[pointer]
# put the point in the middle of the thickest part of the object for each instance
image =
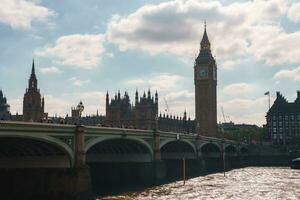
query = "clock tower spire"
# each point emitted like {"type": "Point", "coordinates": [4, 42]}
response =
{"type": "Point", "coordinates": [205, 79]}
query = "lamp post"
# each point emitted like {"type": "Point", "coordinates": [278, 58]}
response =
{"type": "Point", "coordinates": [223, 149]}
{"type": "Point", "coordinates": [198, 128]}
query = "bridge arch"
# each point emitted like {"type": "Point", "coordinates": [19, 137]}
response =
{"type": "Point", "coordinates": [243, 150]}
{"type": "Point", "coordinates": [211, 153]}
{"type": "Point", "coordinates": [210, 147]}
{"type": "Point", "coordinates": [190, 144]}
{"type": "Point", "coordinates": [177, 149]}
{"type": "Point", "coordinates": [118, 149]}
{"type": "Point", "coordinates": [230, 149]}
{"type": "Point", "coordinates": [35, 145]}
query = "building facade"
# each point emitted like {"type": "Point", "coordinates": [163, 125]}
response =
{"type": "Point", "coordinates": [143, 114]}
{"type": "Point", "coordinates": [283, 120]}
{"type": "Point", "coordinates": [121, 113]}
{"type": "Point", "coordinates": [4, 107]}
{"type": "Point", "coordinates": [176, 124]}
{"type": "Point", "coordinates": [145, 111]}
{"type": "Point", "coordinates": [33, 104]}
{"type": "Point", "coordinates": [205, 79]}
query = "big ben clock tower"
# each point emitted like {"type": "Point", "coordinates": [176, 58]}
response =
{"type": "Point", "coordinates": [205, 77]}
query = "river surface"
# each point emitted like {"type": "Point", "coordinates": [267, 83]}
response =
{"type": "Point", "coordinates": [258, 183]}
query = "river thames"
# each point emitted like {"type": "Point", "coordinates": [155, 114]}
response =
{"type": "Point", "coordinates": [259, 183]}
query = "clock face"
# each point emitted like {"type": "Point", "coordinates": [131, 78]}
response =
{"type": "Point", "coordinates": [203, 73]}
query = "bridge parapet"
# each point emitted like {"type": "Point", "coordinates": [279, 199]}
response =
{"type": "Point", "coordinates": [67, 138]}
{"type": "Point", "coordinates": [41, 128]}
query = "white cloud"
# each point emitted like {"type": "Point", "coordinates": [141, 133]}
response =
{"type": "Point", "coordinates": [255, 118]}
{"type": "Point", "coordinates": [110, 55]}
{"type": "Point", "coordinates": [230, 64]}
{"type": "Point", "coordinates": [82, 51]}
{"type": "Point", "coordinates": [294, 12]}
{"type": "Point", "coordinates": [238, 88]}
{"type": "Point", "coordinates": [165, 81]}
{"type": "Point", "coordinates": [16, 106]}
{"type": "Point", "coordinates": [92, 101]}
{"type": "Point", "coordinates": [180, 95]}
{"type": "Point", "coordinates": [137, 82]}
{"type": "Point", "coordinates": [238, 110]}
{"type": "Point", "coordinates": [242, 110]}
{"type": "Point", "coordinates": [278, 47]}
{"type": "Point", "coordinates": [21, 13]}
{"type": "Point", "coordinates": [160, 82]}
{"type": "Point", "coordinates": [293, 74]}
{"type": "Point", "coordinates": [246, 106]}
{"type": "Point", "coordinates": [78, 82]}
{"type": "Point", "coordinates": [240, 28]}
{"type": "Point", "coordinates": [61, 104]}
{"type": "Point", "coordinates": [56, 105]}
{"type": "Point", "coordinates": [50, 70]}
{"type": "Point", "coordinates": [178, 102]}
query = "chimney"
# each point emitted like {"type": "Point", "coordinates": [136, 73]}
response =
{"type": "Point", "coordinates": [277, 94]}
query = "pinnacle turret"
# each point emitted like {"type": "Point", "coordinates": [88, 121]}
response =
{"type": "Point", "coordinates": [205, 44]}
{"type": "Point", "coordinates": [32, 69]}
{"type": "Point", "coordinates": [32, 84]}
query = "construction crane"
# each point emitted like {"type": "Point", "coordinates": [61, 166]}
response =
{"type": "Point", "coordinates": [167, 106]}
{"type": "Point", "coordinates": [223, 114]}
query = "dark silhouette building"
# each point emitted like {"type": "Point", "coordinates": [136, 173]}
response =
{"type": "Point", "coordinates": [283, 120]}
{"type": "Point", "coordinates": [143, 114]}
{"type": "Point", "coordinates": [121, 113]}
{"type": "Point", "coordinates": [176, 124]}
{"type": "Point", "coordinates": [205, 77]}
{"type": "Point", "coordinates": [33, 104]}
{"type": "Point", "coordinates": [145, 111]}
{"type": "Point", "coordinates": [4, 107]}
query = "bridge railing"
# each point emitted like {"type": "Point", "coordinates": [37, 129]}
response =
{"type": "Point", "coordinates": [42, 128]}
{"type": "Point", "coordinates": [46, 128]}
{"type": "Point", "coordinates": [112, 130]}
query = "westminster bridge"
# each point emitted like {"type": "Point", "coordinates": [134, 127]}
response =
{"type": "Point", "coordinates": [103, 152]}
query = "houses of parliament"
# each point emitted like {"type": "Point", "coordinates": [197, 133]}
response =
{"type": "Point", "coordinates": [143, 113]}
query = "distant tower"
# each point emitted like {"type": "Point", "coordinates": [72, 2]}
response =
{"type": "Point", "coordinates": [136, 97]}
{"type": "Point", "coordinates": [205, 77]}
{"type": "Point", "coordinates": [107, 98]}
{"type": "Point", "coordinates": [33, 104]}
{"type": "Point", "coordinates": [4, 107]}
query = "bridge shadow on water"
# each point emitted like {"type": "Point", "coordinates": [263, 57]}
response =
{"type": "Point", "coordinates": [117, 178]}
{"type": "Point", "coordinates": [110, 178]}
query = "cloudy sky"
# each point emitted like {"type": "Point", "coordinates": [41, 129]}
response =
{"type": "Point", "coordinates": [84, 48]}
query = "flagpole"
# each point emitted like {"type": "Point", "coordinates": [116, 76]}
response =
{"type": "Point", "coordinates": [269, 98]}
{"type": "Point", "coordinates": [269, 101]}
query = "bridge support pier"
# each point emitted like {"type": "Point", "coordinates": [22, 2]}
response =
{"type": "Point", "coordinates": [153, 172]}
{"type": "Point", "coordinates": [54, 184]}
{"type": "Point", "coordinates": [200, 160]}
{"type": "Point", "coordinates": [157, 168]}
{"type": "Point", "coordinates": [82, 180]}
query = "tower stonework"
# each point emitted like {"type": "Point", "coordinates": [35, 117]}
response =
{"type": "Point", "coordinates": [205, 78]}
{"type": "Point", "coordinates": [4, 107]}
{"type": "Point", "coordinates": [33, 104]}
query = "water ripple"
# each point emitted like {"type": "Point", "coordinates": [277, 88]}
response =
{"type": "Point", "coordinates": [257, 183]}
